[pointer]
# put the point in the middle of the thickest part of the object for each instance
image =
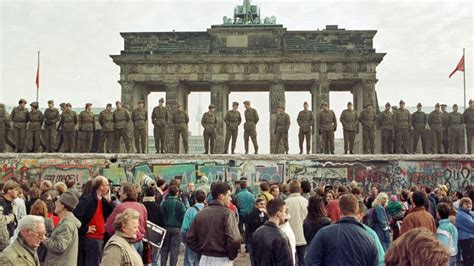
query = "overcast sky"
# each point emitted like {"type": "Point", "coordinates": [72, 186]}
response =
{"type": "Point", "coordinates": [423, 42]}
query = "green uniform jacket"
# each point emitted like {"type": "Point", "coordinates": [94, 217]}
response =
{"type": "Point", "coordinates": [455, 121]}
{"type": "Point", "coordinates": [19, 117]}
{"type": "Point", "coordinates": [232, 119]}
{"type": "Point", "coordinates": [445, 119]}
{"type": "Point", "coordinates": [327, 120]}
{"type": "Point", "coordinates": [139, 118]}
{"type": "Point", "coordinates": [4, 119]}
{"type": "Point", "coordinates": [282, 123]}
{"type": "Point", "coordinates": [251, 119]}
{"type": "Point", "coordinates": [51, 117]}
{"type": "Point", "coordinates": [63, 245]}
{"type": "Point", "coordinates": [180, 120]}
{"type": "Point", "coordinates": [305, 120]}
{"type": "Point", "coordinates": [385, 120]}
{"type": "Point", "coordinates": [106, 121]}
{"type": "Point", "coordinates": [86, 121]}
{"type": "Point", "coordinates": [159, 116]}
{"type": "Point", "coordinates": [121, 118]}
{"type": "Point", "coordinates": [368, 120]}
{"type": "Point", "coordinates": [436, 120]}
{"type": "Point", "coordinates": [209, 122]}
{"type": "Point", "coordinates": [418, 120]}
{"type": "Point", "coordinates": [349, 120]}
{"type": "Point", "coordinates": [468, 117]}
{"type": "Point", "coordinates": [403, 119]}
{"type": "Point", "coordinates": [16, 255]}
{"type": "Point", "coordinates": [36, 120]}
{"type": "Point", "coordinates": [69, 121]}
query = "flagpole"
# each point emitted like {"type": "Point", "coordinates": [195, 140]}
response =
{"type": "Point", "coordinates": [464, 76]}
{"type": "Point", "coordinates": [37, 85]}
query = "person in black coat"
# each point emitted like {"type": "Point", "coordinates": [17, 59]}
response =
{"type": "Point", "coordinates": [316, 219]}
{"type": "Point", "coordinates": [155, 211]}
{"type": "Point", "coordinates": [270, 246]}
{"type": "Point", "coordinates": [256, 218]}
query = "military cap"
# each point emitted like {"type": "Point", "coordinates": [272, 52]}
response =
{"type": "Point", "coordinates": [418, 105]}
{"type": "Point", "coordinates": [387, 105]}
{"type": "Point", "coordinates": [437, 105]}
{"type": "Point", "coordinates": [246, 102]}
{"type": "Point", "coordinates": [62, 105]}
{"type": "Point", "coordinates": [324, 103]}
{"type": "Point", "coordinates": [162, 100]}
{"type": "Point", "coordinates": [369, 104]}
{"type": "Point", "coordinates": [235, 104]}
{"type": "Point", "coordinates": [394, 107]}
{"type": "Point", "coordinates": [443, 105]}
{"type": "Point", "coordinates": [22, 101]}
{"type": "Point", "coordinates": [2, 105]}
{"type": "Point", "coordinates": [34, 104]}
{"type": "Point", "coordinates": [109, 105]}
{"type": "Point", "coordinates": [88, 104]}
{"type": "Point", "coordinates": [50, 102]}
{"type": "Point", "coordinates": [401, 102]}
{"type": "Point", "coordinates": [349, 103]}
{"type": "Point", "coordinates": [455, 105]}
{"type": "Point", "coordinates": [117, 102]}
{"type": "Point", "coordinates": [212, 106]}
{"type": "Point", "coordinates": [471, 101]}
{"type": "Point", "coordinates": [281, 106]}
{"type": "Point", "coordinates": [305, 103]}
{"type": "Point", "coordinates": [141, 101]}
{"type": "Point", "coordinates": [68, 104]}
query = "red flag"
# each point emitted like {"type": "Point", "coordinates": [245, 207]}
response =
{"type": "Point", "coordinates": [459, 67]}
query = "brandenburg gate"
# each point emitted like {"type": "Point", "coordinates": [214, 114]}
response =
{"type": "Point", "coordinates": [248, 53]}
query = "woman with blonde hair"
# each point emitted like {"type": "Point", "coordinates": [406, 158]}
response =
{"type": "Point", "coordinates": [378, 220]}
{"type": "Point", "coordinates": [119, 250]}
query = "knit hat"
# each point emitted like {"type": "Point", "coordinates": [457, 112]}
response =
{"type": "Point", "coordinates": [68, 199]}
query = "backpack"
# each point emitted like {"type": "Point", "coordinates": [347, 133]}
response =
{"type": "Point", "coordinates": [451, 248]}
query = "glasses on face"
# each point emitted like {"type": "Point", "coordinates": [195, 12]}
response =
{"type": "Point", "coordinates": [39, 235]}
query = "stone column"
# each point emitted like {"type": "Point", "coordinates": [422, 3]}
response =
{"type": "Point", "coordinates": [132, 92]}
{"type": "Point", "coordinates": [319, 94]}
{"type": "Point", "coordinates": [175, 94]}
{"type": "Point", "coordinates": [369, 96]}
{"type": "Point", "coordinates": [220, 98]}
{"type": "Point", "coordinates": [357, 93]}
{"type": "Point", "coordinates": [277, 97]}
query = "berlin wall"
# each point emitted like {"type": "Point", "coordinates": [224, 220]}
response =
{"type": "Point", "coordinates": [391, 172]}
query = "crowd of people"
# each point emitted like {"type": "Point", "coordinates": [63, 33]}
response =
{"type": "Point", "coordinates": [279, 224]}
{"type": "Point", "coordinates": [395, 123]}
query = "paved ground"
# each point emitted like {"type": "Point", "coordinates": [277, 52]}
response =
{"type": "Point", "coordinates": [241, 260]}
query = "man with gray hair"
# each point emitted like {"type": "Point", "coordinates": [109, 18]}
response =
{"type": "Point", "coordinates": [22, 251]}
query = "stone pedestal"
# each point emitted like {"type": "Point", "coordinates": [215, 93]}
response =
{"type": "Point", "coordinates": [220, 98]}
{"type": "Point", "coordinates": [277, 97]}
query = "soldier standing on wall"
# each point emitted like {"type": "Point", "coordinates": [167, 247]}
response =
{"type": "Point", "coordinates": [402, 128]}
{"type": "Point", "coordinates": [232, 120]}
{"type": "Point", "coordinates": [368, 118]}
{"type": "Point", "coordinates": [68, 122]}
{"type": "Point", "coordinates": [139, 118]}
{"type": "Point", "coordinates": [282, 125]}
{"type": "Point", "coordinates": [159, 117]}
{"type": "Point", "coordinates": [5, 129]}
{"type": "Point", "coordinates": [468, 117]}
{"type": "Point", "coordinates": [418, 121]}
{"type": "Point", "coordinates": [209, 122]}
{"type": "Point", "coordinates": [385, 124]}
{"type": "Point", "coordinates": [350, 125]}
{"type": "Point", "coordinates": [20, 116]}
{"type": "Point", "coordinates": [436, 122]}
{"type": "Point", "coordinates": [121, 119]}
{"type": "Point", "coordinates": [60, 128]}
{"type": "Point", "coordinates": [51, 118]}
{"type": "Point", "coordinates": [327, 123]}
{"type": "Point", "coordinates": [180, 122]}
{"type": "Point", "coordinates": [455, 121]}
{"type": "Point", "coordinates": [106, 121]}
{"type": "Point", "coordinates": [306, 123]}
{"type": "Point", "coordinates": [250, 127]}
{"type": "Point", "coordinates": [34, 127]}
{"type": "Point", "coordinates": [395, 137]}
{"type": "Point", "coordinates": [445, 128]}
{"type": "Point", "coordinates": [86, 128]}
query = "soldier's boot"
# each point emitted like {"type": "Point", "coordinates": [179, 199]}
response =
{"type": "Point", "coordinates": [256, 151]}
{"type": "Point", "coordinates": [301, 151]}
{"type": "Point", "coordinates": [345, 151]}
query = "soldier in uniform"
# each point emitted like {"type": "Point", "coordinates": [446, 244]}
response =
{"type": "Point", "coordinates": [445, 128]}
{"type": "Point", "coordinates": [139, 118]}
{"type": "Point", "coordinates": [418, 121]}
{"type": "Point", "coordinates": [34, 127]}
{"type": "Point", "coordinates": [5, 129]}
{"type": "Point", "coordinates": [282, 125]}
{"type": "Point", "coordinates": [121, 119]}
{"type": "Point", "coordinates": [468, 117]}
{"type": "Point", "coordinates": [20, 116]}
{"type": "Point", "coordinates": [306, 123]}
{"type": "Point", "coordinates": [159, 117]}
{"type": "Point", "coordinates": [60, 128]}
{"type": "Point", "coordinates": [350, 125]}
{"type": "Point", "coordinates": [436, 123]}
{"type": "Point", "coordinates": [68, 122]}
{"type": "Point", "coordinates": [232, 121]}
{"type": "Point", "coordinates": [455, 121]}
{"type": "Point", "coordinates": [394, 138]}
{"type": "Point", "coordinates": [368, 119]}
{"type": "Point", "coordinates": [106, 121]}
{"type": "Point", "coordinates": [51, 118]}
{"type": "Point", "coordinates": [250, 127]}
{"type": "Point", "coordinates": [86, 128]}
{"type": "Point", "coordinates": [180, 122]}
{"type": "Point", "coordinates": [402, 127]}
{"type": "Point", "coordinates": [209, 123]}
{"type": "Point", "coordinates": [327, 124]}
{"type": "Point", "coordinates": [385, 124]}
